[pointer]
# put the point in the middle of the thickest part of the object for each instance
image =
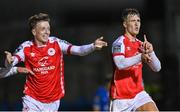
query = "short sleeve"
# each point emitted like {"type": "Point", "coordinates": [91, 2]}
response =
{"type": "Point", "coordinates": [64, 45]}
{"type": "Point", "coordinates": [19, 52]}
{"type": "Point", "coordinates": [118, 48]}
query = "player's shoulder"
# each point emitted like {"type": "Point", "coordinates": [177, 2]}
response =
{"type": "Point", "coordinates": [119, 40]}
{"type": "Point", "coordinates": [27, 43]}
{"type": "Point", "coordinates": [60, 41]}
{"type": "Point", "coordinates": [53, 39]}
{"type": "Point", "coordinates": [24, 45]}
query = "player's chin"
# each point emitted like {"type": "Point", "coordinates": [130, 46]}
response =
{"type": "Point", "coordinates": [45, 39]}
{"type": "Point", "coordinates": [136, 32]}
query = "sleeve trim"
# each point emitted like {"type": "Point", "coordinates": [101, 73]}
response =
{"type": "Point", "coordinates": [69, 49]}
{"type": "Point", "coordinates": [118, 54]}
{"type": "Point", "coordinates": [18, 57]}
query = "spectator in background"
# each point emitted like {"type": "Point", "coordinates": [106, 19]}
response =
{"type": "Point", "coordinates": [101, 99]}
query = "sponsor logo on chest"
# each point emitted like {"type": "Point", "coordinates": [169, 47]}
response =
{"type": "Point", "coordinates": [44, 63]}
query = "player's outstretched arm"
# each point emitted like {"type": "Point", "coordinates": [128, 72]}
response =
{"type": "Point", "coordinates": [86, 49]}
{"type": "Point", "coordinates": [9, 71]}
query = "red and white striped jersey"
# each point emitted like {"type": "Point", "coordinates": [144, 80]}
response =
{"type": "Point", "coordinates": [127, 82]}
{"type": "Point", "coordinates": [47, 84]}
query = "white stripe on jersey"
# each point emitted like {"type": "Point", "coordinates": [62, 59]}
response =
{"type": "Point", "coordinates": [118, 45]}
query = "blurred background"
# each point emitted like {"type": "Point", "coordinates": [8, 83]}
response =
{"type": "Point", "coordinates": [81, 22]}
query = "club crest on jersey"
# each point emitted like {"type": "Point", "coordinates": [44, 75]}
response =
{"type": "Point", "coordinates": [51, 51]}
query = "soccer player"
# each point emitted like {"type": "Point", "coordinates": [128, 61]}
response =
{"type": "Point", "coordinates": [44, 56]}
{"type": "Point", "coordinates": [129, 55]}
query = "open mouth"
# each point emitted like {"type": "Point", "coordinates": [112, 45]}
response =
{"type": "Point", "coordinates": [45, 36]}
{"type": "Point", "coordinates": [137, 29]}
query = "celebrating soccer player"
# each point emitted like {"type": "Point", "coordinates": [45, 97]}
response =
{"type": "Point", "coordinates": [129, 55]}
{"type": "Point", "coordinates": [43, 55]}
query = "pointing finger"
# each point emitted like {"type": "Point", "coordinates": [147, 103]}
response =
{"type": "Point", "coordinates": [101, 38]}
{"type": "Point", "coordinates": [145, 39]}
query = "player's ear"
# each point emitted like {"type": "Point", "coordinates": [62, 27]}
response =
{"type": "Point", "coordinates": [33, 31]}
{"type": "Point", "coordinates": [124, 24]}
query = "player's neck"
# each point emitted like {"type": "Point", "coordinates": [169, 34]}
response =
{"type": "Point", "coordinates": [40, 44]}
{"type": "Point", "coordinates": [130, 37]}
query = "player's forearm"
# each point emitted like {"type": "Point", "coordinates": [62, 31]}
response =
{"type": "Point", "coordinates": [6, 72]}
{"type": "Point", "coordinates": [123, 63]}
{"type": "Point", "coordinates": [155, 64]}
{"type": "Point", "coordinates": [82, 50]}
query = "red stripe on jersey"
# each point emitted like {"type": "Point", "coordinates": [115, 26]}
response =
{"type": "Point", "coordinates": [117, 54]}
{"type": "Point", "coordinates": [18, 57]}
{"type": "Point", "coordinates": [69, 49]}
